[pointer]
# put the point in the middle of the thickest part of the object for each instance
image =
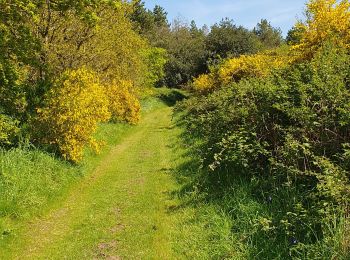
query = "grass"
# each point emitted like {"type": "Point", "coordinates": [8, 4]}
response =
{"type": "Point", "coordinates": [143, 197]}
{"type": "Point", "coordinates": [32, 181]}
{"type": "Point", "coordinates": [126, 202]}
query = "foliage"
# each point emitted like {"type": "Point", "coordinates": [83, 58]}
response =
{"type": "Point", "coordinates": [259, 65]}
{"type": "Point", "coordinates": [204, 83]}
{"type": "Point", "coordinates": [41, 40]}
{"type": "Point", "coordinates": [73, 108]}
{"type": "Point", "coordinates": [8, 130]}
{"type": "Point", "coordinates": [123, 104]}
{"type": "Point", "coordinates": [289, 132]}
{"type": "Point", "coordinates": [186, 54]}
{"type": "Point", "coordinates": [294, 35]}
{"type": "Point", "coordinates": [326, 19]}
{"type": "Point", "coordinates": [192, 50]}
{"type": "Point", "coordinates": [269, 36]}
{"type": "Point", "coordinates": [238, 42]}
{"type": "Point", "coordinates": [109, 46]}
{"type": "Point", "coordinates": [281, 123]}
{"type": "Point", "coordinates": [226, 39]}
{"type": "Point", "coordinates": [156, 59]}
{"type": "Point", "coordinates": [146, 21]}
{"type": "Point", "coordinates": [234, 69]}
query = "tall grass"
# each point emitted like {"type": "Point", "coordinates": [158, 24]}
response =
{"type": "Point", "coordinates": [29, 179]}
{"type": "Point", "coordinates": [235, 218]}
{"type": "Point", "coordinates": [32, 180]}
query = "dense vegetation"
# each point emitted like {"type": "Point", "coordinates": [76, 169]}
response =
{"type": "Point", "coordinates": [65, 68]}
{"type": "Point", "coordinates": [279, 122]}
{"type": "Point", "coordinates": [267, 121]}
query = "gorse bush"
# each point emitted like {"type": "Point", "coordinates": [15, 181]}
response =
{"type": "Point", "coordinates": [259, 65]}
{"type": "Point", "coordinates": [73, 108]}
{"type": "Point", "coordinates": [234, 69]}
{"type": "Point", "coordinates": [123, 103]}
{"type": "Point", "coordinates": [326, 19]}
{"type": "Point", "coordinates": [204, 83]}
{"type": "Point", "coordinates": [283, 123]}
{"type": "Point", "coordinates": [291, 131]}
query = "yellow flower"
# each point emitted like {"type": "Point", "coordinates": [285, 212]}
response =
{"type": "Point", "coordinates": [74, 107]}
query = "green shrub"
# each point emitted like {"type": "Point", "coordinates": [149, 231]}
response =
{"type": "Point", "coordinates": [289, 131]}
{"type": "Point", "coordinates": [8, 130]}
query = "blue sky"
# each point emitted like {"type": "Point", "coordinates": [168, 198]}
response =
{"type": "Point", "coordinates": [281, 13]}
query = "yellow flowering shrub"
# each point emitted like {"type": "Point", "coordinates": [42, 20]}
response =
{"type": "Point", "coordinates": [245, 66]}
{"type": "Point", "coordinates": [123, 103]}
{"type": "Point", "coordinates": [74, 107]}
{"type": "Point", "coordinates": [8, 129]}
{"type": "Point", "coordinates": [204, 83]}
{"type": "Point", "coordinates": [259, 65]}
{"type": "Point", "coordinates": [326, 20]}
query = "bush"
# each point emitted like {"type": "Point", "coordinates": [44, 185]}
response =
{"type": "Point", "coordinates": [123, 104]}
{"type": "Point", "coordinates": [326, 19]}
{"type": "Point", "coordinates": [204, 83]}
{"type": "Point", "coordinates": [8, 129]}
{"type": "Point", "coordinates": [259, 65]}
{"type": "Point", "coordinates": [246, 66]}
{"type": "Point", "coordinates": [73, 108]}
{"type": "Point", "coordinates": [156, 59]}
{"type": "Point", "coordinates": [290, 132]}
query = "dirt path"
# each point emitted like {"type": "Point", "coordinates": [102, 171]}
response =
{"type": "Point", "coordinates": [119, 211]}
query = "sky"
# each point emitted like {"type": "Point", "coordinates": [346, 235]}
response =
{"type": "Point", "coordinates": [281, 13]}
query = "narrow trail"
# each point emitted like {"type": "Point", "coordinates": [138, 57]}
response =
{"type": "Point", "coordinates": [120, 211]}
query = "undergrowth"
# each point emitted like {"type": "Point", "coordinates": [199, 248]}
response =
{"type": "Point", "coordinates": [32, 180]}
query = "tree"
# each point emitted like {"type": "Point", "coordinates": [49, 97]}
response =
{"type": "Point", "coordinates": [142, 18]}
{"type": "Point", "coordinates": [269, 36]}
{"type": "Point", "coordinates": [226, 39]}
{"type": "Point", "coordinates": [42, 40]}
{"type": "Point", "coordinates": [294, 35]}
{"type": "Point", "coordinates": [160, 17]}
{"type": "Point", "coordinates": [187, 54]}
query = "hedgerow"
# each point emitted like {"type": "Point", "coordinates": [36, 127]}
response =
{"type": "Point", "coordinates": [123, 103]}
{"type": "Point", "coordinates": [291, 132]}
{"type": "Point", "coordinates": [8, 129]}
{"type": "Point", "coordinates": [234, 69]}
{"type": "Point", "coordinates": [73, 108]}
{"type": "Point", "coordinates": [283, 124]}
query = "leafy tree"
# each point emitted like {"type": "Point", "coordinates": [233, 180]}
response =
{"type": "Point", "coordinates": [160, 17]}
{"type": "Point", "coordinates": [187, 54]}
{"type": "Point", "coordinates": [269, 36]}
{"type": "Point", "coordinates": [156, 58]}
{"type": "Point", "coordinates": [51, 49]}
{"type": "Point", "coordinates": [294, 35]}
{"type": "Point", "coordinates": [226, 39]}
{"type": "Point", "coordinates": [142, 18]}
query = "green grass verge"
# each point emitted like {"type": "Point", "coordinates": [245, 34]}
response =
{"type": "Point", "coordinates": [32, 181]}
{"type": "Point", "coordinates": [135, 204]}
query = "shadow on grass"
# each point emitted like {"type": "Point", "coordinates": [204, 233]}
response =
{"type": "Point", "coordinates": [172, 96]}
{"type": "Point", "coordinates": [236, 198]}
